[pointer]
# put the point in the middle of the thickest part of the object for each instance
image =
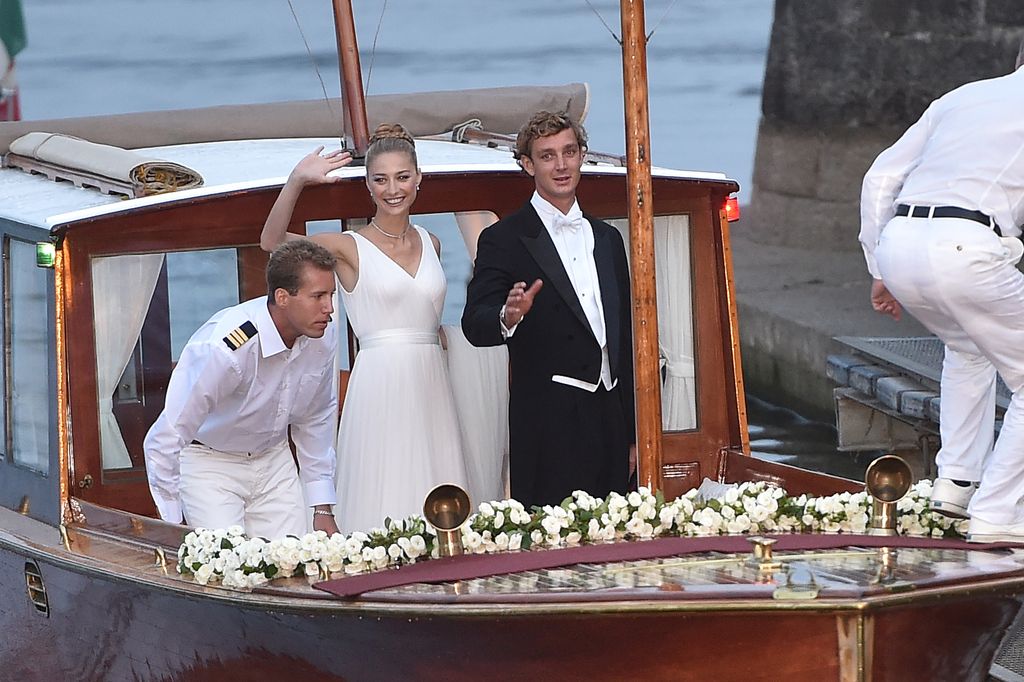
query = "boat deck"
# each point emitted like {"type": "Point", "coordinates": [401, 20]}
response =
{"type": "Point", "coordinates": [25, 528]}
{"type": "Point", "coordinates": [828, 574]}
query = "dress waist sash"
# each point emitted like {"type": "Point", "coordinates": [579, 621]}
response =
{"type": "Point", "coordinates": [399, 337]}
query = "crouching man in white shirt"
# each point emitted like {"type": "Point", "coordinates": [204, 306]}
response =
{"type": "Point", "coordinates": [218, 454]}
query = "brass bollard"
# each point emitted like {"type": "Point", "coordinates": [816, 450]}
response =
{"type": "Point", "coordinates": [446, 508]}
{"type": "Point", "coordinates": [887, 480]}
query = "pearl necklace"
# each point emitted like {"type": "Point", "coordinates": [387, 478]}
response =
{"type": "Point", "coordinates": [400, 235]}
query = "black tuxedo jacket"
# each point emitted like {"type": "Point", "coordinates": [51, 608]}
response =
{"type": "Point", "coordinates": [554, 338]}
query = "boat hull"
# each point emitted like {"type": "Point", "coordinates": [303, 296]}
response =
{"type": "Point", "coordinates": [123, 629]}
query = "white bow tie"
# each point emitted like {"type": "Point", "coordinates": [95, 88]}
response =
{"type": "Point", "coordinates": [572, 222]}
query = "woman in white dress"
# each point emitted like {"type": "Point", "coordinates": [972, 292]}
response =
{"type": "Point", "coordinates": [399, 435]}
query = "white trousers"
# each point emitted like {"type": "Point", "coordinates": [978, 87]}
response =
{"type": "Point", "coordinates": [960, 280]}
{"type": "Point", "coordinates": [259, 491]}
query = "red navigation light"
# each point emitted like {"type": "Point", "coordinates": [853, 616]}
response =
{"type": "Point", "coordinates": [732, 209]}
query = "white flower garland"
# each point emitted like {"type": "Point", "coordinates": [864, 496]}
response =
{"type": "Point", "coordinates": [237, 561]}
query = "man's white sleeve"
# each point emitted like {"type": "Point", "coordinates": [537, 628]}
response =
{"type": "Point", "coordinates": [314, 433]}
{"type": "Point", "coordinates": [883, 182]}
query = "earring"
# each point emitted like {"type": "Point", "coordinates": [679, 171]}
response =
{"type": "Point", "coordinates": [417, 188]}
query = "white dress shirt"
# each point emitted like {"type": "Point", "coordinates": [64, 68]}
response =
{"type": "Point", "coordinates": [244, 400]}
{"type": "Point", "coordinates": [967, 150]}
{"type": "Point", "coordinates": [574, 241]}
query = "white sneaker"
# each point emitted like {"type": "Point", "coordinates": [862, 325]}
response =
{"type": "Point", "coordinates": [983, 531]}
{"type": "Point", "coordinates": [950, 499]}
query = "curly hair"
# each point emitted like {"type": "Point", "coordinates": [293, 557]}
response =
{"type": "Point", "coordinates": [390, 137]}
{"type": "Point", "coordinates": [284, 270]}
{"type": "Point", "coordinates": [542, 124]}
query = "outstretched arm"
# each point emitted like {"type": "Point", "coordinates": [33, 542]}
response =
{"type": "Point", "coordinates": [311, 170]}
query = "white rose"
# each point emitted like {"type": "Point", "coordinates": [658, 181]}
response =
{"type": "Point", "coordinates": [499, 520]}
{"type": "Point", "coordinates": [394, 551]}
{"type": "Point", "coordinates": [290, 560]}
{"type": "Point", "coordinates": [231, 579]}
{"type": "Point", "coordinates": [203, 575]}
{"type": "Point", "coordinates": [256, 580]}
{"type": "Point", "coordinates": [334, 562]}
{"type": "Point", "coordinates": [551, 525]}
{"type": "Point", "coordinates": [418, 544]}
{"type": "Point", "coordinates": [231, 560]}
{"type": "Point", "coordinates": [355, 567]}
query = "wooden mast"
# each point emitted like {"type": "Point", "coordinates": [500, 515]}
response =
{"type": "Point", "coordinates": [641, 244]}
{"type": "Point", "coordinates": [353, 102]}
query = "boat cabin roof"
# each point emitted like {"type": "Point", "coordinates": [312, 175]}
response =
{"type": "Point", "coordinates": [238, 165]}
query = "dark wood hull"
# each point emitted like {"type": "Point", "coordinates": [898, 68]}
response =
{"type": "Point", "coordinates": [123, 629]}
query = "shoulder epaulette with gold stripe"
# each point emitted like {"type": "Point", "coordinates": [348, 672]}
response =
{"type": "Point", "coordinates": [237, 337]}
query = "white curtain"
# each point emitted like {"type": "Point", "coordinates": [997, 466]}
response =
{"type": "Point", "coordinates": [479, 378]}
{"type": "Point", "coordinates": [122, 288]}
{"type": "Point", "coordinates": [675, 322]}
{"type": "Point", "coordinates": [675, 319]}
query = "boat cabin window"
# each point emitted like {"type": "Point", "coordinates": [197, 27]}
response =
{"type": "Point", "coordinates": [674, 275]}
{"type": "Point", "coordinates": [27, 372]}
{"type": "Point", "coordinates": [459, 233]}
{"type": "Point", "coordinates": [146, 307]}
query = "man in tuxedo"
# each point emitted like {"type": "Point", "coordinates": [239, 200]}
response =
{"type": "Point", "coordinates": [569, 333]}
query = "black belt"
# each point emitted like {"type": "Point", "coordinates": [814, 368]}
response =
{"type": "Point", "coordinates": [947, 212]}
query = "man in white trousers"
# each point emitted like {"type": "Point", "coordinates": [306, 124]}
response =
{"type": "Point", "coordinates": [940, 211]}
{"type": "Point", "coordinates": [218, 453]}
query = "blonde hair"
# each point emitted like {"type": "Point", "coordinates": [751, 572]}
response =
{"type": "Point", "coordinates": [542, 124]}
{"type": "Point", "coordinates": [390, 137]}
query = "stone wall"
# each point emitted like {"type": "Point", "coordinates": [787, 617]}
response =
{"type": "Point", "coordinates": [843, 79]}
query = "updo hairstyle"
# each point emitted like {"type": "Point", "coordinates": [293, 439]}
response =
{"type": "Point", "coordinates": [390, 137]}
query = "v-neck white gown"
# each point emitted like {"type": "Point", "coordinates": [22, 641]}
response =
{"type": "Point", "coordinates": [399, 434]}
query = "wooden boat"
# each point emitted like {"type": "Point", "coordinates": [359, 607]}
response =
{"type": "Point", "coordinates": [89, 592]}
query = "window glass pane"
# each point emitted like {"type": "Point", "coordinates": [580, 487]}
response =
{"type": "Point", "coordinates": [454, 260]}
{"type": "Point", "coordinates": [199, 283]}
{"type": "Point", "coordinates": [28, 326]}
{"type": "Point", "coordinates": [141, 329]}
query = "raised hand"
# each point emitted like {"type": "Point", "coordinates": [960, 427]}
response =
{"type": "Point", "coordinates": [314, 167]}
{"type": "Point", "coordinates": [519, 301]}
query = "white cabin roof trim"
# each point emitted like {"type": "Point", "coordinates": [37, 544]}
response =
{"type": "Point", "coordinates": [243, 165]}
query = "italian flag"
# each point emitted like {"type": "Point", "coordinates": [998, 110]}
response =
{"type": "Point", "coordinates": [12, 41]}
